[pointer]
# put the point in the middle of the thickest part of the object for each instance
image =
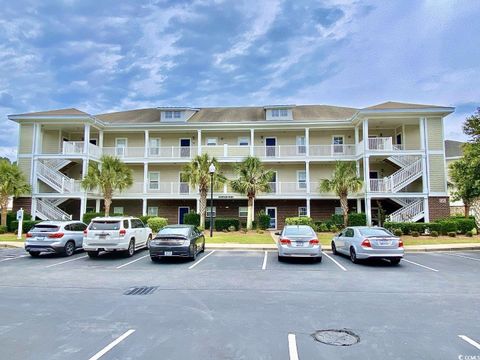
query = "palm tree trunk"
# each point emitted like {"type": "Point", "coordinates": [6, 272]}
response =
{"type": "Point", "coordinates": [3, 204]}
{"type": "Point", "coordinates": [250, 213]}
{"type": "Point", "coordinates": [203, 207]}
{"type": "Point", "coordinates": [108, 202]}
{"type": "Point", "coordinates": [344, 205]}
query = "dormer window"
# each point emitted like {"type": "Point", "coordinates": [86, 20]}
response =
{"type": "Point", "coordinates": [173, 114]}
{"type": "Point", "coordinates": [279, 113]}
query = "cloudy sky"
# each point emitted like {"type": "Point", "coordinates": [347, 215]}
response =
{"type": "Point", "coordinates": [106, 55]}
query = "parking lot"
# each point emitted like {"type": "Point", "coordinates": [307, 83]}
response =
{"type": "Point", "coordinates": [238, 305]}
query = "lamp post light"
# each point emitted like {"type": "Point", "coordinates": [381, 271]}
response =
{"type": "Point", "coordinates": [211, 170]}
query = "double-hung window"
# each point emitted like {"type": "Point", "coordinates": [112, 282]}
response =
{"type": "Point", "coordinates": [154, 180]}
{"type": "Point", "coordinates": [214, 213]}
{"type": "Point", "coordinates": [154, 147]}
{"type": "Point", "coordinates": [244, 141]}
{"type": "Point", "coordinates": [242, 211]}
{"type": "Point", "coordinates": [302, 211]}
{"type": "Point", "coordinates": [118, 210]}
{"type": "Point", "coordinates": [337, 144]}
{"type": "Point", "coordinates": [301, 179]}
{"type": "Point", "coordinates": [152, 211]}
{"type": "Point", "coordinates": [301, 145]}
{"type": "Point", "coordinates": [211, 141]}
{"type": "Point", "coordinates": [120, 146]}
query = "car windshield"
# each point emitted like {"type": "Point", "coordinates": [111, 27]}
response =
{"type": "Point", "coordinates": [105, 225]}
{"type": "Point", "coordinates": [375, 232]}
{"type": "Point", "coordinates": [45, 228]}
{"type": "Point", "coordinates": [298, 231]}
{"type": "Point", "coordinates": [174, 231]}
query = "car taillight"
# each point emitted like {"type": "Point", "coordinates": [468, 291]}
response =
{"type": "Point", "coordinates": [29, 235]}
{"type": "Point", "coordinates": [314, 242]}
{"type": "Point", "coordinates": [55, 235]}
{"type": "Point", "coordinates": [85, 232]}
{"type": "Point", "coordinates": [400, 243]}
{"type": "Point", "coordinates": [285, 241]}
{"type": "Point", "coordinates": [366, 243]}
{"type": "Point", "coordinates": [122, 232]}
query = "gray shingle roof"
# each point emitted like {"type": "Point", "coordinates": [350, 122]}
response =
{"type": "Point", "coordinates": [453, 148]}
{"type": "Point", "coordinates": [390, 105]}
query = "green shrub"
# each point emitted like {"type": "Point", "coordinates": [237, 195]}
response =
{"type": "Point", "coordinates": [433, 227]}
{"type": "Point", "coordinates": [434, 233]}
{"type": "Point", "coordinates": [334, 229]}
{"type": "Point", "coordinates": [223, 224]}
{"type": "Point", "coordinates": [3, 229]}
{"type": "Point", "coordinates": [12, 216]}
{"type": "Point", "coordinates": [464, 225]}
{"type": "Point", "coordinates": [145, 218]}
{"type": "Point", "coordinates": [321, 227]}
{"type": "Point", "coordinates": [243, 225]}
{"type": "Point", "coordinates": [231, 228]}
{"type": "Point", "coordinates": [191, 218]}
{"type": "Point", "coordinates": [397, 232]}
{"type": "Point", "coordinates": [415, 233]}
{"type": "Point", "coordinates": [357, 219]}
{"type": "Point", "coordinates": [469, 234]}
{"type": "Point", "coordinates": [263, 220]}
{"type": "Point", "coordinates": [337, 219]}
{"type": "Point", "coordinates": [299, 220]}
{"type": "Point", "coordinates": [87, 217]}
{"type": "Point", "coordinates": [474, 231]}
{"type": "Point", "coordinates": [448, 226]}
{"type": "Point", "coordinates": [27, 225]}
{"type": "Point", "coordinates": [157, 223]}
{"type": "Point", "coordinates": [452, 234]}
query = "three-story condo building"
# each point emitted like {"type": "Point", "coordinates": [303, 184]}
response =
{"type": "Point", "coordinates": [398, 149]}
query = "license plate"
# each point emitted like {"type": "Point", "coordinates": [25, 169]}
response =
{"type": "Point", "coordinates": [384, 242]}
{"type": "Point", "coordinates": [168, 253]}
{"type": "Point", "coordinates": [299, 244]}
{"type": "Point", "coordinates": [40, 238]}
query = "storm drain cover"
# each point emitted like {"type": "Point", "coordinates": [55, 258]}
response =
{"type": "Point", "coordinates": [141, 290]}
{"type": "Point", "coordinates": [335, 337]}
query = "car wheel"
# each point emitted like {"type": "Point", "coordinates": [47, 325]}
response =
{"type": "Point", "coordinates": [69, 248]}
{"type": "Point", "coordinates": [34, 253]}
{"type": "Point", "coordinates": [93, 254]}
{"type": "Point", "coordinates": [147, 244]}
{"type": "Point", "coordinates": [353, 255]}
{"type": "Point", "coordinates": [395, 261]}
{"type": "Point", "coordinates": [131, 248]}
{"type": "Point", "coordinates": [203, 247]}
{"type": "Point", "coordinates": [334, 249]}
{"type": "Point", "coordinates": [193, 255]}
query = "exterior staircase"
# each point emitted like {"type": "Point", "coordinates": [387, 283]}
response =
{"type": "Point", "coordinates": [409, 213]}
{"type": "Point", "coordinates": [55, 179]}
{"type": "Point", "coordinates": [47, 211]}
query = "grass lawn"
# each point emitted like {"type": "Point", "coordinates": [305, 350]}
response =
{"type": "Point", "coordinates": [11, 237]}
{"type": "Point", "coordinates": [326, 239]}
{"type": "Point", "coordinates": [238, 237]}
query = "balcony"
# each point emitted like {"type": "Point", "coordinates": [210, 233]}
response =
{"type": "Point", "coordinates": [380, 144]}
{"type": "Point", "coordinates": [73, 148]}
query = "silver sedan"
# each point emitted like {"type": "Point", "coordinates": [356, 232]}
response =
{"type": "Point", "coordinates": [298, 241]}
{"type": "Point", "coordinates": [363, 242]}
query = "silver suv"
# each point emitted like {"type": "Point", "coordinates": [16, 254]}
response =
{"type": "Point", "coordinates": [116, 233]}
{"type": "Point", "coordinates": [63, 237]}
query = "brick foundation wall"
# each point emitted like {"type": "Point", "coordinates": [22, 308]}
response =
{"type": "Point", "coordinates": [22, 202]}
{"type": "Point", "coordinates": [438, 207]}
{"type": "Point", "coordinates": [169, 208]}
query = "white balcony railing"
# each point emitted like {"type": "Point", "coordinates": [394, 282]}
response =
{"type": "Point", "coordinates": [77, 148]}
{"type": "Point", "coordinates": [332, 150]}
{"type": "Point", "coordinates": [125, 152]}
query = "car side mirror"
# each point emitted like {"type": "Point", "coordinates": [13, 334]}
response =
{"type": "Point", "coordinates": [339, 234]}
{"type": "Point", "coordinates": [278, 233]}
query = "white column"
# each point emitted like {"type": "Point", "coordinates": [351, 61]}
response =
{"type": "Point", "coordinates": [423, 147]}
{"type": "Point", "coordinates": [145, 177]}
{"type": "Point", "coordinates": [147, 143]}
{"type": "Point", "coordinates": [252, 142]}
{"type": "Point", "coordinates": [83, 206]}
{"type": "Point", "coordinates": [308, 206]}
{"type": "Point", "coordinates": [144, 206]}
{"type": "Point", "coordinates": [36, 147]}
{"type": "Point", "coordinates": [368, 210]}
{"type": "Point", "coordinates": [359, 205]}
{"type": "Point", "coordinates": [365, 135]}
{"type": "Point", "coordinates": [100, 139]}
{"type": "Point", "coordinates": [97, 205]}
{"type": "Point", "coordinates": [199, 142]}
{"type": "Point", "coordinates": [307, 142]}
{"type": "Point", "coordinates": [198, 205]}
{"type": "Point", "coordinates": [86, 139]}
{"type": "Point", "coordinates": [426, 210]}
{"type": "Point", "coordinates": [366, 173]}
{"type": "Point", "coordinates": [33, 208]}
{"type": "Point", "coordinates": [356, 137]}
{"type": "Point", "coordinates": [307, 175]}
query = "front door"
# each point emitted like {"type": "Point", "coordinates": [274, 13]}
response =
{"type": "Point", "coordinates": [185, 148]}
{"type": "Point", "coordinates": [272, 212]}
{"type": "Point", "coordinates": [182, 210]}
{"type": "Point", "coordinates": [270, 146]}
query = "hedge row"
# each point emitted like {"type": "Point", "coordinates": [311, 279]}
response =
{"type": "Point", "coordinates": [454, 224]}
{"type": "Point", "coordinates": [12, 216]}
{"type": "Point", "coordinates": [26, 225]}
{"type": "Point", "coordinates": [221, 224]}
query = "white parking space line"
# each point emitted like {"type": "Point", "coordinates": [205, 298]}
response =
{"type": "Point", "coordinates": [66, 261]}
{"type": "Point", "coordinates": [335, 261]}
{"type": "Point", "coordinates": [131, 262]}
{"type": "Point", "coordinates": [423, 266]}
{"type": "Point", "coordinates": [199, 261]}
{"type": "Point", "coordinates": [264, 265]}
{"type": "Point", "coordinates": [110, 346]}
{"type": "Point", "coordinates": [13, 258]}
{"type": "Point", "coordinates": [462, 256]}
{"type": "Point", "coordinates": [470, 341]}
{"type": "Point", "coordinates": [292, 347]}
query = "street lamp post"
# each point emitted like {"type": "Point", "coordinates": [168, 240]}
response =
{"type": "Point", "coordinates": [211, 170]}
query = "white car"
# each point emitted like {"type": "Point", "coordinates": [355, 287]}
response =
{"type": "Point", "coordinates": [116, 233]}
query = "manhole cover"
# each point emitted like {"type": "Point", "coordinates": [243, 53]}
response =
{"type": "Point", "coordinates": [142, 290]}
{"type": "Point", "coordinates": [334, 337]}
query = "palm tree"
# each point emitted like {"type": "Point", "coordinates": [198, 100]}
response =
{"type": "Point", "coordinates": [343, 182]}
{"type": "Point", "coordinates": [252, 179]}
{"type": "Point", "coordinates": [109, 176]}
{"type": "Point", "coordinates": [12, 183]}
{"type": "Point", "coordinates": [199, 176]}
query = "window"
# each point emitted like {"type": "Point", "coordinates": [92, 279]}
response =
{"type": "Point", "coordinates": [338, 211]}
{"type": "Point", "coordinates": [137, 224]}
{"type": "Point", "coordinates": [302, 179]}
{"type": "Point", "coordinates": [211, 141]}
{"type": "Point", "coordinates": [177, 114]}
{"type": "Point", "coordinates": [283, 112]}
{"type": "Point", "coordinates": [152, 211]}
{"type": "Point", "coordinates": [301, 145]}
{"type": "Point", "coordinates": [80, 227]}
{"type": "Point", "coordinates": [242, 211]}
{"type": "Point", "coordinates": [173, 114]}
{"type": "Point", "coordinates": [125, 224]}
{"type": "Point", "coordinates": [120, 146]}
{"type": "Point", "coordinates": [118, 210]}
{"type": "Point", "coordinates": [275, 113]}
{"type": "Point", "coordinates": [214, 214]}
{"type": "Point", "coordinates": [154, 146]}
{"type": "Point", "coordinates": [349, 233]}
{"type": "Point", "coordinates": [243, 141]}
{"type": "Point", "coordinates": [154, 180]}
{"type": "Point", "coordinates": [168, 114]}
{"type": "Point", "coordinates": [302, 211]}
{"type": "Point", "coordinates": [337, 142]}
{"type": "Point", "coordinates": [279, 113]}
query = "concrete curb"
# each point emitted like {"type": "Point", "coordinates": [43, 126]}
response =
{"type": "Point", "coordinates": [11, 244]}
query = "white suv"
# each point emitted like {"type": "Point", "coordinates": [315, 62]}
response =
{"type": "Point", "coordinates": [116, 233]}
